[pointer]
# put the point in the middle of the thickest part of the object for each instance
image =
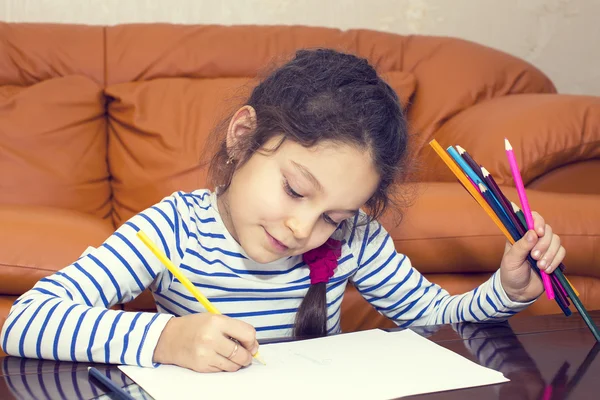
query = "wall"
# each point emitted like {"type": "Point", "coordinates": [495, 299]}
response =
{"type": "Point", "coordinates": [557, 36]}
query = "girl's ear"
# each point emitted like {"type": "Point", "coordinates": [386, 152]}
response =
{"type": "Point", "coordinates": [242, 123]}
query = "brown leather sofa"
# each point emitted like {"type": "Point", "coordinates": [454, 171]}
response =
{"type": "Point", "coordinates": [97, 123]}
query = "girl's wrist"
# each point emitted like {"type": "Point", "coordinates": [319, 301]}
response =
{"type": "Point", "coordinates": [162, 351]}
{"type": "Point", "coordinates": [519, 298]}
{"type": "Point", "coordinates": [522, 296]}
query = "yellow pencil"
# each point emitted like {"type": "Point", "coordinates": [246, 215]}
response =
{"type": "Point", "coordinates": [572, 287]}
{"type": "Point", "coordinates": [183, 279]}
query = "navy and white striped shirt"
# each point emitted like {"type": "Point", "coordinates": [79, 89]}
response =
{"type": "Point", "coordinates": [65, 316]}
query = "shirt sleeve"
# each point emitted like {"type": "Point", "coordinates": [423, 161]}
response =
{"type": "Point", "coordinates": [66, 316]}
{"type": "Point", "coordinates": [387, 280]}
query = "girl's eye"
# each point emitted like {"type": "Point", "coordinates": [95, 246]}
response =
{"type": "Point", "coordinates": [290, 191]}
{"type": "Point", "coordinates": [328, 219]}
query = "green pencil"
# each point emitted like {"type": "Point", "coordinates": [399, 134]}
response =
{"type": "Point", "coordinates": [520, 214]}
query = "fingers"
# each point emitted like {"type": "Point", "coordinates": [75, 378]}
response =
{"type": "Point", "coordinates": [553, 255]}
{"type": "Point", "coordinates": [244, 333]}
{"type": "Point", "coordinates": [217, 352]}
{"type": "Point", "coordinates": [236, 344]}
{"type": "Point", "coordinates": [558, 258]}
{"type": "Point", "coordinates": [210, 368]}
{"type": "Point", "coordinates": [539, 224]}
{"type": "Point", "coordinates": [548, 251]}
{"type": "Point", "coordinates": [543, 245]}
{"type": "Point", "coordinates": [225, 364]}
{"type": "Point", "coordinates": [526, 243]}
{"type": "Point", "coordinates": [516, 254]}
{"type": "Point", "coordinates": [233, 352]}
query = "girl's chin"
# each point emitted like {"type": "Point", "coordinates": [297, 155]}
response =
{"type": "Point", "coordinates": [264, 256]}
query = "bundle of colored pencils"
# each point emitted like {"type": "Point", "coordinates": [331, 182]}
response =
{"type": "Point", "coordinates": [512, 220]}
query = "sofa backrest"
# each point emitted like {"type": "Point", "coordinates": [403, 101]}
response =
{"type": "Point", "coordinates": [108, 120]}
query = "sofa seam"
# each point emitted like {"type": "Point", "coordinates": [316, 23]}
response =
{"type": "Point", "coordinates": [5, 265]}
{"type": "Point", "coordinates": [537, 163]}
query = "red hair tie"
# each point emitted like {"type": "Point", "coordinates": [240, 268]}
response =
{"type": "Point", "coordinates": [322, 261]}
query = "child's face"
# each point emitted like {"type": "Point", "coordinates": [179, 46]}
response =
{"type": "Point", "coordinates": [267, 217]}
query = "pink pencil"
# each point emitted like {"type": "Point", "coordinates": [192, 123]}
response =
{"type": "Point", "coordinates": [547, 393]}
{"type": "Point", "coordinates": [514, 168]}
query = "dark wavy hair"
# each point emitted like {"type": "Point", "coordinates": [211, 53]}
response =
{"type": "Point", "coordinates": [324, 94]}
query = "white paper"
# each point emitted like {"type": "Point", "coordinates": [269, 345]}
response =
{"type": "Point", "coordinates": [370, 364]}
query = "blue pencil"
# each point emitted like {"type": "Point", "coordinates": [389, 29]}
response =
{"type": "Point", "coordinates": [464, 166]}
{"type": "Point", "coordinates": [491, 200]}
{"type": "Point", "coordinates": [109, 384]}
{"type": "Point", "coordinates": [474, 177]}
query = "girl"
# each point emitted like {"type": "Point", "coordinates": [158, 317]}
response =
{"type": "Point", "coordinates": [274, 246]}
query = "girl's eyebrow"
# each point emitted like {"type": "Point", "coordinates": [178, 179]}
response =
{"type": "Point", "coordinates": [315, 182]}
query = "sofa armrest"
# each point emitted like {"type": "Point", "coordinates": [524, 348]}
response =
{"type": "Point", "coordinates": [455, 74]}
{"type": "Point", "coordinates": [37, 241]}
{"type": "Point", "coordinates": [547, 131]}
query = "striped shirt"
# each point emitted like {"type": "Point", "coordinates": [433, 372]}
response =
{"type": "Point", "coordinates": [66, 316]}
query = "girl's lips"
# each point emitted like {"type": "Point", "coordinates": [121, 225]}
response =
{"type": "Point", "coordinates": [276, 244]}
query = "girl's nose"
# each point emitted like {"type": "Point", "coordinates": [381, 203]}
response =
{"type": "Point", "coordinates": [301, 227]}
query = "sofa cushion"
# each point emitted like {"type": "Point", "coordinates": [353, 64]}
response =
{"type": "Point", "coordinates": [37, 241]}
{"type": "Point", "coordinates": [546, 132]}
{"type": "Point", "coordinates": [159, 129]}
{"type": "Point", "coordinates": [570, 178]}
{"type": "Point", "coordinates": [157, 133]}
{"type": "Point", "coordinates": [446, 231]}
{"type": "Point", "coordinates": [53, 150]}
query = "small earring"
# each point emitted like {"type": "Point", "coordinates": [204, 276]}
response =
{"type": "Point", "coordinates": [229, 160]}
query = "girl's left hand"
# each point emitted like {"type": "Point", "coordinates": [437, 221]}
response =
{"type": "Point", "coordinates": [519, 281]}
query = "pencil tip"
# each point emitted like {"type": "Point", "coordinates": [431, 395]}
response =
{"type": "Point", "coordinates": [484, 171]}
{"type": "Point", "coordinates": [460, 149]}
{"type": "Point", "coordinates": [257, 358]}
{"type": "Point", "coordinates": [482, 187]}
{"type": "Point", "coordinates": [507, 145]}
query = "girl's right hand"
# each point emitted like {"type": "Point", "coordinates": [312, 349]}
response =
{"type": "Point", "coordinates": [204, 342]}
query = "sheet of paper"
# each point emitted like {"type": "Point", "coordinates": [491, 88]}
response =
{"type": "Point", "coordinates": [363, 365]}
